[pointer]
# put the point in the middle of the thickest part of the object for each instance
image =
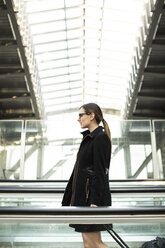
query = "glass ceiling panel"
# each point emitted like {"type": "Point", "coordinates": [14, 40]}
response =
{"type": "Point", "coordinates": [42, 5]}
{"type": "Point", "coordinates": [127, 5]}
{"type": "Point", "coordinates": [45, 16]}
{"type": "Point", "coordinates": [93, 23]}
{"type": "Point", "coordinates": [124, 16]}
{"type": "Point", "coordinates": [58, 46]}
{"type": "Point", "coordinates": [75, 42]}
{"type": "Point", "coordinates": [60, 100]}
{"type": "Point", "coordinates": [48, 37]}
{"type": "Point", "coordinates": [54, 46]}
{"type": "Point", "coordinates": [112, 69]}
{"type": "Point", "coordinates": [74, 12]}
{"type": "Point", "coordinates": [76, 32]}
{"type": "Point", "coordinates": [118, 36]}
{"type": "Point", "coordinates": [52, 72]}
{"type": "Point", "coordinates": [61, 107]}
{"type": "Point", "coordinates": [61, 79]}
{"type": "Point", "coordinates": [103, 93]}
{"type": "Point", "coordinates": [73, 3]}
{"type": "Point", "coordinates": [92, 43]}
{"type": "Point", "coordinates": [59, 71]}
{"type": "Point", "coordinates": [59, 55]}
{"type": "Point", "coordinates": [49, 64]}
{"type": "Point", "coordinates": [59, 63]}
{"type": "Point", "coordinates": [55, 87]}
{"type": "Point", "coordinates": [106, 87]}
{"type": "Point", "coordinates": [50, 102]}
{"type": "Point", "coordinates": [75, 22]}
{"type": "Point", "coordinates": [47, 27]}
{"type": "Point", "coordinates": [75, 90]}
{"type": "Point", "coordinates": [93, 12]}
{"type": "Point", "coordinates": [84, 47]}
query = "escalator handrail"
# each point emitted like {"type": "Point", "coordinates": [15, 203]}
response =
{"type": "Point", "coordinates": [64, 181]}
{"type": "Point", "coordinates": [60, 190]}
{"type": "Point", "coordinates": [145, 210]}
{"type": "Point", "coordinates": [83, 215]}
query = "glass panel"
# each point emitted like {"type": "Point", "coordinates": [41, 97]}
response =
{"type": "Point", "coordinates": [73, 23]}
{"type": "Point", "coordinates": [54, 200]}
{"type": "Point", "coordinates": [47, 27]}
{"type": "Point", "coordinates": [52, 72]}
{"type": "Point", "coordinates": [46, 16]}
{"type": "Point", "coordinates": [159, 127]}
{"type": "Point", "coordinates": [70, 3]}
{"type": "Point", "coordinates": [33, 6]}
{"type": "Point", "coordinates": [60, 63]}
{"type": "Point", "coordinates": [61, 100]}
{"type": "Point", "coordinates": [10, 149]}
{"type": "Point", "coordinates": [43, 38]}
{"type": "Point", "coordinates": [131, 149]}
{"type": "Point", "coordinates": [132, 153]}
{"type": "Point", "coordinates": [64, 86]}
{"type": "Point", "coordinates": [56, 79]}
{"type": "Point", "coordinates": [74, 12]}
{"type": "Point", "coordinates": [64, 92]}
{"type": "Point", "coordinates": [51, 148]}
{"type": "Point", "coordinates": [44, 48]}
{"type": "Point", "coordinates": [38, 235]}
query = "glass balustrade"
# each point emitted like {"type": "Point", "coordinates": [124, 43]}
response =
{"type": "Point", "coordinates": [46, 199]}
{"type": "Point", "coordinates": [55, 201]}
{"type": "Point", "coordinates": [41, 233]}
{"type": "Point", "coordinates": [46, 150]}
{"type": "Point", "coordinates": [29, 235]}
{"type": "Point", "coordinates": [11, 145]}
{"type": "Point", "coordinates": [159, 128]}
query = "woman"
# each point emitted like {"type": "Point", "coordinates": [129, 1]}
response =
{"type": "Point", "coordinates": [89, 182]}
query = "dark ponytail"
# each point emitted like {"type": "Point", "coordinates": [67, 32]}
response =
{"type": "Point", "coordinates": [107, 130]}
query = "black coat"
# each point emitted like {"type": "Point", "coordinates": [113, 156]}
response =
{"type": "Point", "coordinates": [89, 182]}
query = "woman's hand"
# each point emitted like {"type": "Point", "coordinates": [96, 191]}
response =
{"type": "Point", "coordinates": [93, 205]}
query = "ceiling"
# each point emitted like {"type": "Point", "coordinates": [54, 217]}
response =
{"type": "Point", "coordinates": [19, 100]}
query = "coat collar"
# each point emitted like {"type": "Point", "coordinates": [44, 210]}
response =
{"type": "Point", "coordinates": [92, 134]}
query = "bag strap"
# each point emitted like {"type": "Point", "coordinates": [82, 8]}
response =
{"type": "Point", "coordinates": [115, 236]}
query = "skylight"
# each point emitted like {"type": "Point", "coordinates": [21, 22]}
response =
{"type": "Point", "coordinates": [83, 49]}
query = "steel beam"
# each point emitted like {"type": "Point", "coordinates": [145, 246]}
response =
{"type": "Point", "coordinates": [16, 31]}
{"type": "Point", "coordinates": [148, 45]}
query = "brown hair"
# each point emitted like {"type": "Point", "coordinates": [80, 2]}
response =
{"type": "Point", "coordinates": [94, 108]}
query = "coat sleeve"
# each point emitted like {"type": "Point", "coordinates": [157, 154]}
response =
{"type": "Point", "coordinates": [68, 192]}
{"type": "Point", "coordinates": [101, 161]}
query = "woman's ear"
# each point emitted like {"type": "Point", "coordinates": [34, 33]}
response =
{"type": "Point", "coordinates": [92, 116]}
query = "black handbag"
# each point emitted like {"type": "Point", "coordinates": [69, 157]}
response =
{"type": "Point", "coordinates": [115, 236]}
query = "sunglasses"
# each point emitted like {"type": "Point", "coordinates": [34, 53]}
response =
{"type": "Point", "coordinates": [81, 114]}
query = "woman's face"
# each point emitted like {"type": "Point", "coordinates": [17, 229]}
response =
{"type": "Point", "coordinates": [84, 119]}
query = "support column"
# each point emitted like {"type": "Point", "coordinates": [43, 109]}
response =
{"type": "Point", "coordinates": [40, 160]}
{"type": "Point", "coordinates": [163, 158]}
{"type": "Point", "coordinates": [3, 157]}
{"type": "Point", "coordinates": [127, 161]}
{"type": "Point", "coordinates": [22, 157]}
{"type": "Point", "coordinates": [154, 153]}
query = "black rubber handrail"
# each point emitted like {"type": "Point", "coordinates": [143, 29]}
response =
{"type": "Point", "coordinates": [74, 211]}
{"type": "Point", "coordinates": [64, 181]}
{"type": "Point", "coordinates": [60, 190]}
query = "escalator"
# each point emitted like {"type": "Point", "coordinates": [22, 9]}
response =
{"type": "Point", "coordinates": [43, 193]}
{"type": "Point", "coordinates": [31, 214]}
